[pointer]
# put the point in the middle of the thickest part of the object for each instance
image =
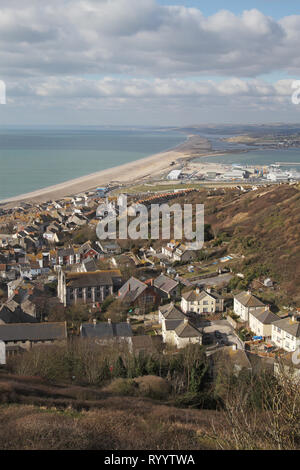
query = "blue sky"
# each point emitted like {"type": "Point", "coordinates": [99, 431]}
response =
{"type": "Point", "coordinates": [275, 8]}
{"type": "Point", "coordinates": [129, 62]}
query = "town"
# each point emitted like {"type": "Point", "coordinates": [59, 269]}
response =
{"type": "Point", "coordinates": [58, 281]}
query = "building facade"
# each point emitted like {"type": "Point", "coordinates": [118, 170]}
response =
{"type": "Point", "coordinates": [87, 287]}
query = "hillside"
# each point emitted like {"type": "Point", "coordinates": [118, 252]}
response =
{"type": "Point", "coordinates": [37, 416]}
{"type": "Point", "coordinates": [263, 226]}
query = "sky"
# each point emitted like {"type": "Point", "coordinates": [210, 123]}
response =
{"type": "Point", "coordinates": [149, 62]}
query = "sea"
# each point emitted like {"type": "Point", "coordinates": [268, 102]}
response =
{"type": "Point", "coordinates": [32, 159]}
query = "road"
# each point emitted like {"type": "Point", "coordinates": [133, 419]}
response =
{"type": "Point", "coordinates": [226, 331]}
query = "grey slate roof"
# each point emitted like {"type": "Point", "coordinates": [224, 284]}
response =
{"type": "Point", "coordinates": [186, 330]}
{"type": "Point", "coordinates": [288, 325]}
{"type": "Point", "coordinates": [132, 289]}
{"type": "Point", "coordinates": [90, 265]}
{"type": "Point", "coordinates": [265, 316]}
{"type": "Point", "coordinates": [33, 331]}
{"type": "Point", "coordinates": [171, 325]}
{"type": "Point", "coordinates": [106, 330]}
{"type": "Point", "coordinates": [15, 316]}
{"type": "Point", "coordinates": [193, 296]}
{"type": "Point", "coordinates": [170, 312]}
{"type": "Point", "coordinates": [165, 283]}
{"type": "Point", "coordinates": [92, 279]}
{"type": "Point", "coordinates": [248, 300]}
{"type": "Point", "coordinates": [65, 252]}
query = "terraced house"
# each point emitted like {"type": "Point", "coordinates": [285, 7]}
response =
{"type": "Point", "coordinates": [88, 287]}
{"type": "Point", "coordinates": [286, 333]}
{"type": "Point", "coordinates": [245, 303]}
{"type": "Point", "coordinates": [202, 302]}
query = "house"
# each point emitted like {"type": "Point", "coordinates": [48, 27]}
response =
{"type": "Point", "coordinates": [51, 236]}
{"type": "Point", "coordinates": [67, 256]}
{"type": "Point", "coordinates": [244, 303]}
{"type": "Point", "coordinates": [183, 254]}
{"type": "Point", "coordinates": [180, 333]}
{"type": "Point", "coordinates": [12, 312]}
{"type": "Point", "coordinates": [202, 302]}
{"type": "Point", "coordinates": [138, 294]}
{"type": "Point", "coordinates": [170, 312]}
{"type": "Point", "coordinates": [105, 332]}
{"type": "Point", "coordinates": [260, 322]}
{"type": "Point", "coordinates": [27, 335]}
{"type": "Point", "coordinates": [166, 287]}
{"type": "Point", "coordinates": [286, 333]}
{"type": "Point", "coordinates": [89, 250]}
{"type": "Point", "coordinates": [87, 287]}
{"type": "Point", "coordinates": [109, 246]}
{"type": "Point", "coordinates": [170, 248]}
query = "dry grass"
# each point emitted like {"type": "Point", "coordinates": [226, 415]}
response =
{"type": "Point", "coordinates": [34, 415]}
{"type": "Point", "coordinates": [120, 424]}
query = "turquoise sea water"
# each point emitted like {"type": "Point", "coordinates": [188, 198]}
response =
{"type": "Point", "coordinates": [31, 159]}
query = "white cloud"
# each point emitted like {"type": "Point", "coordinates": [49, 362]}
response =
{"type": "Point", "coordinates": [141, 37]}
{"type": "Point", "coordinates": [137, 54]}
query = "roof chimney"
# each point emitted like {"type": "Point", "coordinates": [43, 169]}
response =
{"type": "Point", "coordinates": [234, 347]}
{"type": "Point", "coordinates": [185, 321]}
{"type": "Point", "coordinates": [197, 290]}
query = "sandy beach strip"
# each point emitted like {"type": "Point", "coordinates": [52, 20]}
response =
{"type": "Point", "coordinates": [130, 172]}
{"type": "Point", "coordinates": [126, 173]}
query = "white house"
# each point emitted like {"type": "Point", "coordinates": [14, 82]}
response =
{"type": "Point", "coordinates": [202, 302]}
{"type": "Point", "coordinates": [244, 303]}
{"type": "Point", "coordinates": [261, 320]}
{"type": "Point", "coordinates": [180, 333]}
{"type": "Point", "coordinates": [286, 333]}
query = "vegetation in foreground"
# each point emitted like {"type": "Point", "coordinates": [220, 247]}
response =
{"type": "Point", "coordinates": [144, 402]}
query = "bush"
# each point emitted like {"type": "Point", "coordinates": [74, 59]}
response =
{"type": "Point", "coordinates": [153, 387]}
{"type": "Point", "coordinates": [123, 387]}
